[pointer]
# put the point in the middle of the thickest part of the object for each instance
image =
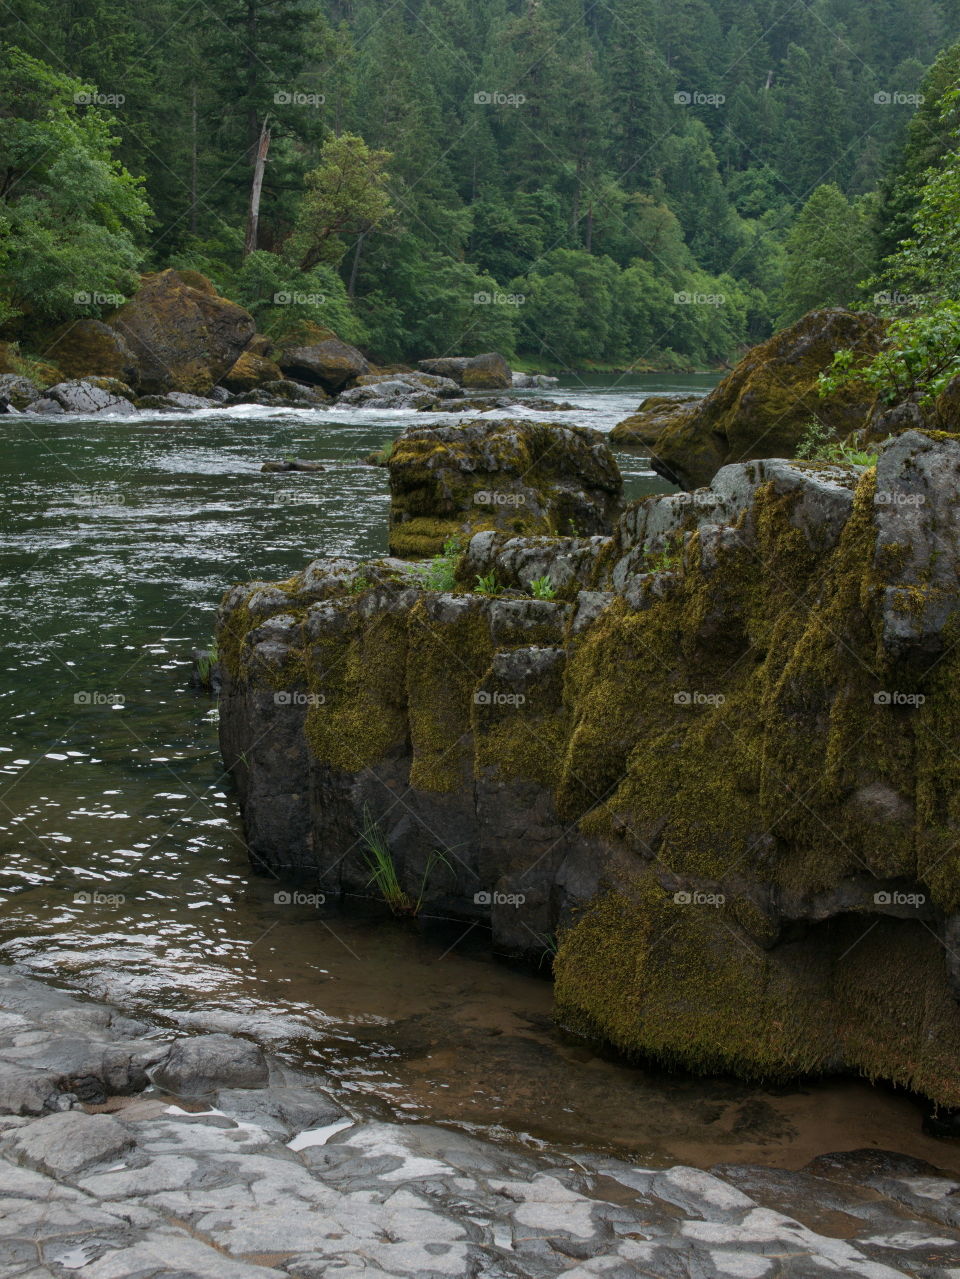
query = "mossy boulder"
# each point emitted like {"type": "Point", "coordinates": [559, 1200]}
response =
{"type": "Point", "coordinates": [654, 416]}
{"type": "Point", "coordinates": [721, 767]}
{"type": "Point", "coordinates": [329, 363]}
{"type": "Point", "coordinates": [514, 475]}
{"type": "Point", "coordinates": [89, 348]}
{"type": "Point", "coordinates": [184, 336]}
{"type": "Point", "coordinates": [489, 372]}
{"type": "Point", "coordinates": [249, 371]}
{"type": "Point", "coordinates": [764, 406]}
{"type": "Point", "coordinates": [17, 391]}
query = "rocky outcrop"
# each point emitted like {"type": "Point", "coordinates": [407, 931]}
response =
{"type": "Point", "coordinates": [235, 1165]}
{"type": "Point", "coordinates": [488, 372]}
{"type": "Point", "coordinates": [329, 363]}
{"type": "Point", "coordinates": [517, 475]}
{"type": "Point", "coordinates": [18, 391]}
{"type": "Point", "coordinates": [718, 762]}
{"type": "Point", "coordinates": [399, 391]}
{"type": "Point", "coordinates": [764, 406]}
{"type": "Point", "coordinates": [184, 336]}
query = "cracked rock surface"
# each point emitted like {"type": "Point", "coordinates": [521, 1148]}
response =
{"type": "Point", "coordinates": [260, 1172]}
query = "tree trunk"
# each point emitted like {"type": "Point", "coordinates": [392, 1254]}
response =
{"type": "Point", "coordinates": [253, 217]}
{"type": "Point", "coordinates": [193, 164]}
{"type": "Point", "coordinates": [356, 263]}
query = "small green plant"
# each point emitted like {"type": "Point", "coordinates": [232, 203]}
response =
{"type": "Point", "coordinates": [667, 560]}
{"type": "Point", "coordinates": [360, 584]}
{"type": "Point", "coordinates": [383, 873]}
{"type": "Point", "coordinates": [380, 457]}
{"type": "Point", "coordinates": [441, 573]}
{"type": "Point", "coordinates": [819, 444]}
{"type": "Point", "coordinates": [487, 584]}
{"type": "Point", "coordinates": [542, 588]}
{"type": "Point", "coordinates": [207, 662]}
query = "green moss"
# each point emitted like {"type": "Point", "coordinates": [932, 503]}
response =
{"type": "Point", "coordinates": [684, 984]}
{"type": "Point", "coordinates": [450, 650]}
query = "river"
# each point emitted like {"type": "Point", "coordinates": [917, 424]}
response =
{"type": "Point", "coordinates": [124, 873]}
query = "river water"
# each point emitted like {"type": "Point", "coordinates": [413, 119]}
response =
{"type": "Point", "coordinates": [123, 871]}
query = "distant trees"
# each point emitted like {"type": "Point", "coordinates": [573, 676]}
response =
{"type": "Point", "coordinates": [69, 212]}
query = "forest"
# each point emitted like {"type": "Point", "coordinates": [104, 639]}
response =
{"type": "Point", "coordinates": [576, 185]}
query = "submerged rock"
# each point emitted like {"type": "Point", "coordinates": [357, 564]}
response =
{"type": "Point", "coordinates": [293, 464]}
{"type": "Point", "coordinates": [716, 762]}
{"type": "Point", "coordinates": [510, 474]}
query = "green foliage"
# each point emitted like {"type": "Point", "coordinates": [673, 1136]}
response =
{"type": "Point", "coordinates": [69, 211]}
{"type": "Point", "coordinates": [346, 196]}
{"type": "Point", "coordinates": [542, 588]}
{"type": "Point", "coordinates": [829, 251]}
{"type": "Point", "coordinates": [440, 573]}
{"type": "Point", "coordinates": [920, 357]}
{"type": "Point", "coordinates": [819, 444]}
{"type": "Point", "coordinates": [487, 584]}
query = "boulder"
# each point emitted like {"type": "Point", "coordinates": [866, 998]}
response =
{"type": "Point", "coordinates": [184, 336]}
{"type": "Point", "coordinates": [488, 372]}
{"type": "Point", "coordinates": [18, 391]}
{"type": "Point", "coordinates": [763, 407]}
{"type": "Point", "coordinates": [330, 363]}
{"type": "Point", "coordinates": [400, 391]}
{"type": "Point", "coordinates": [527, 380]}
{"type": "Point", "coordinates": [67, 1144]}
{"type": "Point", "coordinates": [657, 412]}
{"type": "Point", "coordinates": [87, 348]}
{"type": "Point", "coordinates": [517, 475]}
{"type": "Point", "coordinates": [619, 764]}
{"type": "Point", "coordinates": [86, 398]}
{"type": "Point", "coordinates": [249, 371]}
{"type": "Point", "coordinates": [201, 1065]}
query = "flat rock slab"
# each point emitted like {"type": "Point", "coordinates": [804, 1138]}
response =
{"type": "Point", "coordinates": [65, 1144]}
{"type": "Point", "coordinates": [272, 1177]}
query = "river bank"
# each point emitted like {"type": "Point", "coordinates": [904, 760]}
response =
{"type": "Point", "coordinates": [118, 540]}
{"type": "Point", "coordinates": [125, 1153]}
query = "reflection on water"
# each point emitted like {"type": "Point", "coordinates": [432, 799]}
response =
{"type": "Point", "coordinates": [123, 870]}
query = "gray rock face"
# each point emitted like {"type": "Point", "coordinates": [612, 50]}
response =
{"type": "Point", "coordinates": [199, 1066]}
{"type": "Point", "coordinates": [86, 399]}
{"type": "Point", "coordinates": [527, 380]}
{"type": "Point", "coordinates": [282, 1182]}
{"type": "Point", "coordinates": [176, 402]}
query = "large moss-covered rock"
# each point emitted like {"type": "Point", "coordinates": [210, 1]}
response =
{"type": "Point", "coordinates": [184, 336]}
{"type": "Point", "coordinates": [654, 416]}
{"type": "Point", "coordinates": [764, 406]}
{"type": "Point", "coordinates": [89, 348]}
{"type": "Point", "coordinates": [723, 768]}
{"type": "Point", "coordinates": [516, 475]}
{"type": "Point", "coordinates": [489, 372]}
{"type": "Point", "coordinates": [329, 363]}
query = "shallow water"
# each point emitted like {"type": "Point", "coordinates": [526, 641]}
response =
{"type": "Point", "coordinates": [124, 872]}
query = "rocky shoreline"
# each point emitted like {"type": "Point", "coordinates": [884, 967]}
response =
{"type": "Point", "coordinates": [128, 1153]}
